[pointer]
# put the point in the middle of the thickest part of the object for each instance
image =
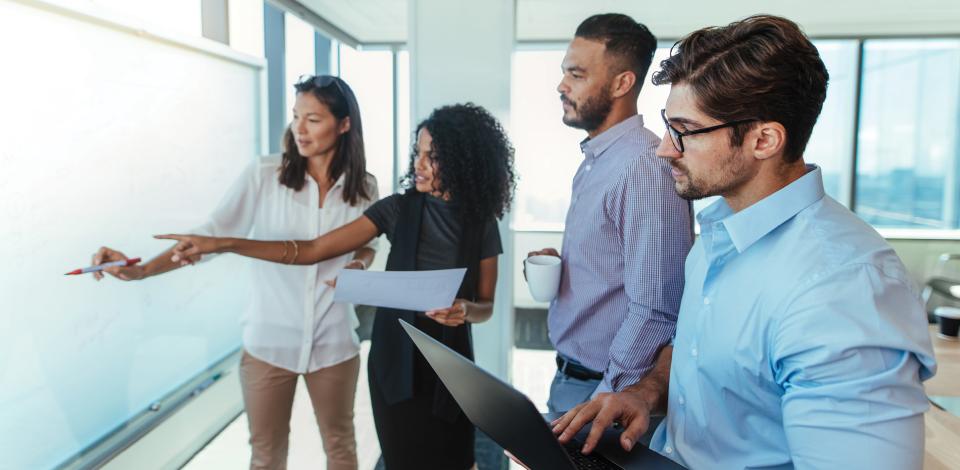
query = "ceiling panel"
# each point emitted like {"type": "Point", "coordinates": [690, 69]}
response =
{"type": "Point", "coordinates": [385, 21]}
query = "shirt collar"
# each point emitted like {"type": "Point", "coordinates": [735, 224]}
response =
{"type": "Point", "coordinates": [755, 222]}
{"type": "Point", "coordinates": [597, 145]}
{"type": "Point", "coordinates": [340, 180]}
{"type": "Point", "coordinates": [336, 184]}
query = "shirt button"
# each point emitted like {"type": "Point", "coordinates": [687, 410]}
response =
{"type": "Point", "coordinates": [706, 301]}
{"type": "Point", "coordinates": [681, 400]}
{"type": "Point", "coordinates": [668, 449]}
{"type": "Point", "coordinates": [693, 352]}
{"type": "Point", "coordinates": [589, 167]}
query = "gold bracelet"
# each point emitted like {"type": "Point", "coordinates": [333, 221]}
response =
{"type": "Point", "coordinates": [283, 259]}
{"type": "Point", "coordinates": [296, 251]}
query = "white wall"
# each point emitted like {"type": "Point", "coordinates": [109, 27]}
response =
{"type": "Point", "coordinates": [245, 22]}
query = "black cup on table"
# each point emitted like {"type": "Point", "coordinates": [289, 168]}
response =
{"type": "Point", "coordinates": [949, 320]}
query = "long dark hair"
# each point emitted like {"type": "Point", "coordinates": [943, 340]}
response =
{"type": "Point", "coordinates": [349, 159]}
{"type": "Point", "coordinates": [474, 160]}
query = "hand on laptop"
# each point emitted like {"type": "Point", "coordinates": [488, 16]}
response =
{"type": "Point", "coordinates": [628, 408]}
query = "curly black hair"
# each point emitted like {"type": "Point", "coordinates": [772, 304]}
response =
{"type": "Point", "coordinates": [474, 160]}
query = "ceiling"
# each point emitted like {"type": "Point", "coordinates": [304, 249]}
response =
{"type": "Point", "coordinates": [385, 21]}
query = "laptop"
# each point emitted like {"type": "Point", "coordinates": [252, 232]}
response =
{"type": "Point", "coordinates": [513, 422]}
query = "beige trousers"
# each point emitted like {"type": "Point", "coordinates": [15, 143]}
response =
{"type": "Point", "coordinates": [268, 397]}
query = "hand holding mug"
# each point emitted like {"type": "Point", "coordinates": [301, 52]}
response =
{"type": "Point", "coordinates": [543, 274]}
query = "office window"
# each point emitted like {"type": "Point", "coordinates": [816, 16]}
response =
{"type": "Point", "coordinates": [831, 145]}
{"type": "Point", "coordinates": [907, 162]}
{"type": "Point", "coordinates": [548, 152]}
{"type": "Point", "coordinates": [405, 137]}
{"type": "Point", "coordinates": [299, 57]}
{"type": "Point", "coordinates": [370, 74]}
{"type": "Point", "coordinates": [908, 148]}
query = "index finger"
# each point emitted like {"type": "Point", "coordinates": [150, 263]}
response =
{"type": "Point", "coordinates": [172, 236]}
{"type": "Point", "coordinates": [103, 254]}
{"type": "Point", "coordinates": [575, 419]}
{"type": "Point", "coordinates": [444, 310]}
{"type": "Point", "coordinates": [602, 421]}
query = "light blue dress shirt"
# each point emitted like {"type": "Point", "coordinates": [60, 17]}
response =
{"type": "Point", "coordinates": [801, 342]}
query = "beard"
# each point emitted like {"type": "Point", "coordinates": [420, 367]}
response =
{"type": "Point", "coordinates": [730, 171]}
{"type": "Point", "coordinates": [591, 113]}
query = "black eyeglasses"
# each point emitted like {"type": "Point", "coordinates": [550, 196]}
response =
{"type": "Point", "coordinates": [677, 136]}
{"type": "Point", "coordinates": [321, 81]}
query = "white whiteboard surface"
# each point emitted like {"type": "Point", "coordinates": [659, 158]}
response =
{"type": "Point", "coordinates": [106, 138]}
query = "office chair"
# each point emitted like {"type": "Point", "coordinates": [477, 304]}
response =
{"type": "Point", "coordinates": [946, 287]}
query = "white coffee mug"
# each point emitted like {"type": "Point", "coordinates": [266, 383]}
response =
{"type": "Point", "coordinates": [543, 276]}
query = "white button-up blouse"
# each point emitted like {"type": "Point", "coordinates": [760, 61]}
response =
{"type": "Point", "coordinates": [291, 320]}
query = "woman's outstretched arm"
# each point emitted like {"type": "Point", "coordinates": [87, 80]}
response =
{"type": "Point", "coordinates": [337, 242]}
{"type": "Point", "coordinates": [158, 265]}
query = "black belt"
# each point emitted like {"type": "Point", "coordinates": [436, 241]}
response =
{"type": "Point", "coordinates": [577, 371]}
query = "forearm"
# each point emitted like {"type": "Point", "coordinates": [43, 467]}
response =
{"type": "Point", "coordinates": [633, 351]}
{"type": "Point", "coordinates": [365, 255]}
{"type": "Point", "coordinates": [653, 389]}
{"type": "Point", "coordinates": [480, 311]}
{"type": "Point", "coordinates": [300, 252]}
{"type": "Point", "coordinates": [160, 264]}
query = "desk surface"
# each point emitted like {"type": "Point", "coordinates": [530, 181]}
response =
{"type": "Point", "coordinates": [943, 429]}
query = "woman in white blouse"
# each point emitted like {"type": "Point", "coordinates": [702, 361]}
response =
{"type": "Point", "coordinates": [292, 326]}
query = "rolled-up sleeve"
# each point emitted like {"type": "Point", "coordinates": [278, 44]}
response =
{"type": "Point", "coordinates": [850, 357]}
{"type": "Point", "coordinates": [234, 215]}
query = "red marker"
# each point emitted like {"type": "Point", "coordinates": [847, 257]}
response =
{"type": "Point", "coordinates": [129, 262]}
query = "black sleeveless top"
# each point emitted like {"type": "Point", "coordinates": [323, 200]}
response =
{"type": "Point", "coordinates": [425, 225]}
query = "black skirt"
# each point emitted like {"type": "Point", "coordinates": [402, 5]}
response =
{"type": "Point", "coordinates": [411, 436]}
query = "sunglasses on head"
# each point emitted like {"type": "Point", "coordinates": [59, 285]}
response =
{"type": "Point", "coordinates": [321, 81]}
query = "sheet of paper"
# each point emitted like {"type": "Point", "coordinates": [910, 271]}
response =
{"type": "Point", "coordinates": [407, 290]}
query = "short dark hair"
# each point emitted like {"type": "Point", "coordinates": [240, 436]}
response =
{"type": "Point", "coordinates": [763, 67]}
{"type": "Point", "coordinates": [630, 42]}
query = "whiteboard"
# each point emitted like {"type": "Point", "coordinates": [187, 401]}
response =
{"type": "Point", "coordinates": [106, 138]}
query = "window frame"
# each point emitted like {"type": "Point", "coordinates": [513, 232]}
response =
{"type": "Point", "coordinates": [850, 170]}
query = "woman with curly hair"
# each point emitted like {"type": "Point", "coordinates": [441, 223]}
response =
{"type": "Point", "coordinates": [460, 181]}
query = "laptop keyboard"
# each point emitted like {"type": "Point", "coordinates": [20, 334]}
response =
{"type": "Point", "coordinates": [594, 461]}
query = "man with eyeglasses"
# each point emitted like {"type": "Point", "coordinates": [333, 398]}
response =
{"type": "Point", "coordinates": [801, 340]}
{"type": "Point", "coordinates": [626, 233]}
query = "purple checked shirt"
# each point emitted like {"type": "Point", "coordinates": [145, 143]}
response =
{"type": "Point", "coordinates": [627, 235]}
